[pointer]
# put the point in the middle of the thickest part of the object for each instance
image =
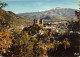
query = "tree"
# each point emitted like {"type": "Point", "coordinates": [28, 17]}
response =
{"type": "Point", "coordinates": [73, 26]}
{"type": "Point", "coordinates": [5, 42]}
{"type": "Point", "coordinates": [3, 4]}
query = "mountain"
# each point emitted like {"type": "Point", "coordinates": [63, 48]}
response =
{"type": "Point", "coordinates": [57, 13]}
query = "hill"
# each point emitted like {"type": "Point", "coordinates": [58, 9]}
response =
{"type": "Point", "coordinates": [52, 14]}
{"type": "Point", "coordinates": [9, 20]}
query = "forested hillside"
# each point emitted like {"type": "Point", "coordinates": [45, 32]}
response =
{"type": "Point", "coordinates": [10, 20]}
{"type": "Point", "coordinates": [20, 38]}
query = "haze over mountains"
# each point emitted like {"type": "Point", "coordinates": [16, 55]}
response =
{"type": "Point", "coordinates": [57, 13]}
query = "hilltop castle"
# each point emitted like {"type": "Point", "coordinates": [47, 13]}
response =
{"type": "Point", "coordinates": [38, 22]}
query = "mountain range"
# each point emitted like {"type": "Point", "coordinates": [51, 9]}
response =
{"type": "Point", "coordinates": [52, 14]}
{"type": "Point", "coordinates": [9, 19]}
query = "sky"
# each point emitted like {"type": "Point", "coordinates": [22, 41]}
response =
{"type": "Point", "coordinates": [24, 6]}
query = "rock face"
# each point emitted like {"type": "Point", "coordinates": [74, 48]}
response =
{"type": "Point", "coordinates": [57, 13]}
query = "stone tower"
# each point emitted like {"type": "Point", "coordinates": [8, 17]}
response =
{"type": "Point", "coordinates": [41, 22]}
{"type": "Point", "coordinates": [38, 22]}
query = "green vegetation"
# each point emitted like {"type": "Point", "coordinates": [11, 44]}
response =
{"type": "Point", "coordinates": [34, 41]}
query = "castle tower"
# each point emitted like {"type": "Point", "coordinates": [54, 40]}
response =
{"type": "Point", "coordinates": [38, 22]}
{"type": "Point", "coordinates": [41, 22]}
{"type": "Point", "coordinates": [34, 21]}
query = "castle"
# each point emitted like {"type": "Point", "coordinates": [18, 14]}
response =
{"type": "Point", "coordinates": [38, 22]}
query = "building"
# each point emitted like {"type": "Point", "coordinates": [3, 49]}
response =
{"type": "Point", "coordinates": [38, 22]}
{"type": "Point", "coordinates": [55, 26]}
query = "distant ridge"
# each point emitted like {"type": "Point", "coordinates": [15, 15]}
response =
{"type": "Point", "coordinates": [55, 13]}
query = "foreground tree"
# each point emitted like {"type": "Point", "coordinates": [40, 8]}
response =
{"type": "Point", "coordinates": [3, 4]}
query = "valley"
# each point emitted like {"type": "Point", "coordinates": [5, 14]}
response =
{"type": "Point", "coordinates": [51, 33]}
